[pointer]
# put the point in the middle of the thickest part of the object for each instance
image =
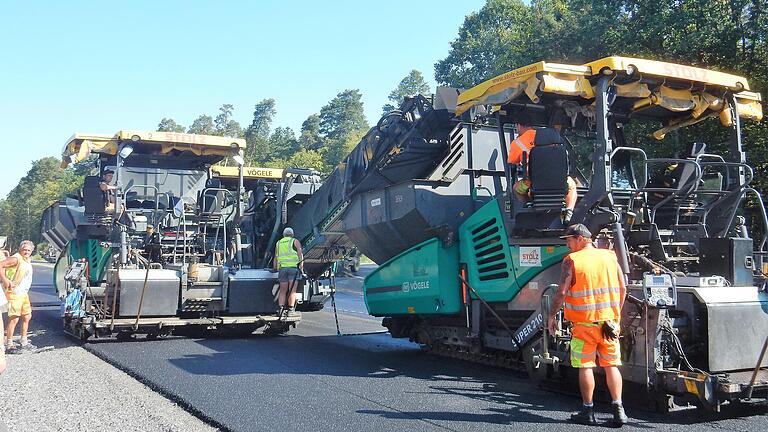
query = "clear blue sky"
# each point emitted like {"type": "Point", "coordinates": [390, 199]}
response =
{"type": "Point", "coordinates": [78, 66]}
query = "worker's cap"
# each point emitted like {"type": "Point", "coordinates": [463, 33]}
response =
{"type": "Point", "coordinates": [577, 230]}
{"type": "Point", "coordinates": [108, 171]}
{"type": "Point", "coordinates": [288, 231]}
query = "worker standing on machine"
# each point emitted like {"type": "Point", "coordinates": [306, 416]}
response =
{"type": "Point", "coordinates": [289, 262]}
{"type": "Point", "coordinates": [592, 289]}
{"type": "Point", "coordinates": [527, 138]}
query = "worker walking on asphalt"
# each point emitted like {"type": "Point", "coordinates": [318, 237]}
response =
{"type": "Point", "coordinates": [17, 280]}
{"type": "Point", "coordinates": [592, 289]}
{"type": "Point", "coordinates": [289, 262]}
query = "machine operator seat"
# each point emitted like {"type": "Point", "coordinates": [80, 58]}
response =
{"type": "Point", "coordinates": [548, 168]}
{"type": "Point", "coordinates": [93, 197]}
{"type": "Point", "coordinates": [212, 201]}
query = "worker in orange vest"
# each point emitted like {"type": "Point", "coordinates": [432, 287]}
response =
{"type": "Point", "coordinates": [593, 290]}
{"type": "Point", "coordinates": [527, 138]}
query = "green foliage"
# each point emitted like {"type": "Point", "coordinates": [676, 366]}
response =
{"type": "Point", "coordinates": [490, 42]}
{"type": "Point", "coordinates": [340, 119]}
{"type": "Point", "coordinates": [258, 148]}
{"type": "Point", "coordinates": [223, 125]}
{"type": "Point", "coordinates": [45, 183]}
{"type": "Point", "coordinates": [308, 159]}
{"type": "Point", "coordinates": [202, 125]}
{"type": "Point", "coordinates": [310, 138]}
{"type": "Point", "coordinates": [169, 125]}
{"type": "Point", "coordinates": [283, 142]}
{"type": "Point", "coordinates": [412, 84]}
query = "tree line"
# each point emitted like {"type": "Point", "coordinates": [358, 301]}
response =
{"type": "Point", "coordinates": [324, 139]}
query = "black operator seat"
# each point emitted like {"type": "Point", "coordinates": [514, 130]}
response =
{"type": "Point", "coordinates": [93, 197]}
{"type": "Point", "coordinates": [132, 200]}
{"type": "Point", "coordinates": [548, 168]}
{"type": "Point", "coordinates": [212, 201]}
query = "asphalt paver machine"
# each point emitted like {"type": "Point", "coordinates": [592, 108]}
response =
{"type": "Point", "coordinates": [466, 269]}
{"type": "Point", "coordinates": [695, 324]}
{"type": "Point", "coordinates": [163, 250]}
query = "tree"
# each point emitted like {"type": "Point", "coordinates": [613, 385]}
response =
{"type": "Point", "coordinates": [169, 125]}
{"type": "Point", "coordinates": [310, 138]}
{"type": "Point", "coordinates": [202, 125]}
{"type": "Point", "coordinates": [257, 134]}
{"type": "Point", "coordinates": [490, 42]}
{"type": "Point", "coordinates": [339, 119]}
{"type": "Point", "coordinates": [283, 143]}
{"type": "Point", "coordinates": [412, 84]}
{"type": "Point", "coordinates": [308, 159]}
{"type": "Point", "coordinates": [224, 125]}
{"type": "Point", "coordinates": [45, 183]}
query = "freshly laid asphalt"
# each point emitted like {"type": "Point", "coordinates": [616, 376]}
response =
{"type": "Point", "coordinates": [312, 379]}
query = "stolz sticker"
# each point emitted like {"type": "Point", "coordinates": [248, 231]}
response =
{"type": "Point", "coordinates": [530, 256]}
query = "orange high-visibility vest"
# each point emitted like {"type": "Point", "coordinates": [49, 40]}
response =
{"type": "Point", "coordinates": [595, 294]}
{"type": "Point", "coordinates": [522, 144]}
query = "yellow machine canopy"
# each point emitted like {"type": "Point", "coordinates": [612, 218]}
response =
{"type": "Point", "coordinates": [676, 94]}
{"type": "Point", "coordinates": [80, 145]}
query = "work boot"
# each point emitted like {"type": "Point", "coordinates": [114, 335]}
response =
{"type": "Point", "coordinates": [586, 417]}
{"type": "Point", "coordinates": [619, 416]}
{"type": "Point", "coordinates": [566, 216]}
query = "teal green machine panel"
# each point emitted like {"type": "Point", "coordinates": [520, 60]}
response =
{"type": "Point", "coordinates": [422, 280]}
{"type": "Point", "coordinates": [496, 269]}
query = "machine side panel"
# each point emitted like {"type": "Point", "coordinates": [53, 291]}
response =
{"type": "Point", "coordinates": [161, 295]}
{"type": "Point", "coordinates": [732, 344]}
{"type": "Point", "coordinates": [486, 253]}
{"type": "Point", "coordinates": [422, 280]}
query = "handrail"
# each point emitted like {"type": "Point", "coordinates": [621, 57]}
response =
{"type": "Point", "coordinates": [674, 192]}
{"type": "Point", "coordinates": [221, 216]}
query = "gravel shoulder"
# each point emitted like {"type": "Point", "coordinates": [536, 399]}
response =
{"type": "Point", "coordinates": [71, 389]}
{"type": "Point", "coordinates": [67, 388]}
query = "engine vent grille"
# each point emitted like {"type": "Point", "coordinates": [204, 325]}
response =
{"type": "Point", "coordinates": [490, 253]}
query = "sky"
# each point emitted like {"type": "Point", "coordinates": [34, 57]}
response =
{"type": "Point", "coordinates": [78, 66]}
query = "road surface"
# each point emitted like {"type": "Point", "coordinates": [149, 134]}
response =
{"type": "Point", "coordinates": [312, 379]}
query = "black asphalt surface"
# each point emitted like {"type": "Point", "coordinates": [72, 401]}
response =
{"type": "Point", "coordinates": [313, 380]}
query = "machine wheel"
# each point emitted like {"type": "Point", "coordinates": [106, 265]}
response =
{"type": "Point", "coordinates": [124, 336]}
{"type": "Point", "coordinates": [659, 401]}
{"type": "Point", "coordinates": [537, 373]}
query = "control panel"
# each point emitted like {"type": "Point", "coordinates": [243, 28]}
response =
{"type": "Point", "coordinates": [659, 290]}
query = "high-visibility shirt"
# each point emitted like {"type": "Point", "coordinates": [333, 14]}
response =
{"type": "Point", "coordinates": [20, 275]}
{"type": "Point", "coordinates": [286, 255]}
{"type": "Point", "coordinates": [595, 293]}
{"type": "Point", "coordinates": [522, 144]}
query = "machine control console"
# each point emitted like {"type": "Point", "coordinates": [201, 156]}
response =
{"type": "Point", "coordinates": [659, 290]}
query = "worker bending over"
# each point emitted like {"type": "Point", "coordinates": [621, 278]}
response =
{"type": "Point", "coordinates": [592, 290]}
